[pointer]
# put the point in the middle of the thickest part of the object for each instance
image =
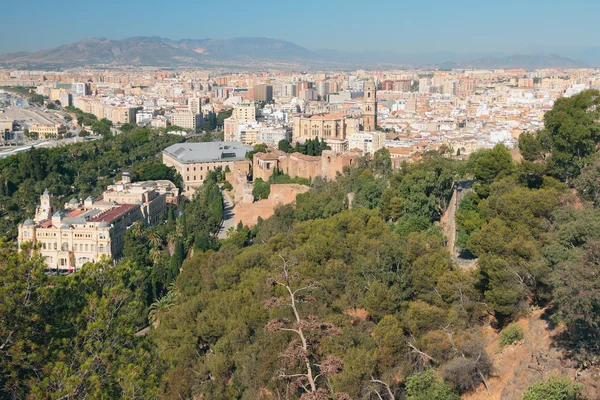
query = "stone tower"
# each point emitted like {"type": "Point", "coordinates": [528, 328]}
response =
{"type": "Point", "coordinates": [46, 207]}
{"type": "Point", "coordinates": [370, 114]}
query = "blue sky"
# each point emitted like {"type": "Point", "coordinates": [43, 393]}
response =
{"type": "Point", "coordinates": [401, 26]}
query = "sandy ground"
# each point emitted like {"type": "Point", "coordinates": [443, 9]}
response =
{"type": "Point", "coordinates": [535, 358]}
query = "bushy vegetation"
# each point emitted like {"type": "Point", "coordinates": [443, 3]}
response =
{"type": "Point", "coordinates": [554, 388]}
{"type": "Point", "coordinates": [511, 334]}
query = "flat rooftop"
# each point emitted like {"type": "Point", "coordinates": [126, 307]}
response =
{"type": "Point", "coordinates": [189, 153]}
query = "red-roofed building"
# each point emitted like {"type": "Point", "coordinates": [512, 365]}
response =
{"type": "Point", "coordinates": [81, 233]}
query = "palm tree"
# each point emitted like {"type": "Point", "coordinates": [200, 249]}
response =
{"type": "Point", "coordinates": [138, 229]}
{"type": "Point", "coordinates": [155, 254]}
{"type": "Point", "coordinates": [155, 239]}
{"type": "Point", "coordinates": [162, 305]}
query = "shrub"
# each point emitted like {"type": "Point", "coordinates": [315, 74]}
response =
{"type": "Point", "coordinates": [512, 333]}
{"type": "Point", "coordinates": [555, 388]}
{"type": "Point", "coordinates": [425, 386]}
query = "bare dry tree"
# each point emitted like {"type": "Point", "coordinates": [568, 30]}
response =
{"type": "Point", "coordinates": [300, 355]}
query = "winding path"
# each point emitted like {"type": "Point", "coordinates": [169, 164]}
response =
{"type": "Point", "coordinates": [228, 216]}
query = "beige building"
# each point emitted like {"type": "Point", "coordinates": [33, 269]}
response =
{"type": "Point", "coordinates": [151, 196]}
{"type": "Point", "coordinates": [243, 114]}
{"type": "Point", "coordinates": [333, 128]}
{"type": "Point", "coordinates": [87, 230]}
{"type": "Point", "coordinates": [46, 131]}
{"type": "Point", "coordinates": [368, 142]}
{"type": "Point", "coordinates": [193, 161]}
{"type": "Point", "coordinates": [80, 233]}
{"type": "Point", "coordinates": [184, 118]}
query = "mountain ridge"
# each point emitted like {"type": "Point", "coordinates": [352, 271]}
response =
{"type": "Point", "coordinates": [244, 51]}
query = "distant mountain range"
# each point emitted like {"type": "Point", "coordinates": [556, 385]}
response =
{"type": "Point", "coordinates": [260, 53]}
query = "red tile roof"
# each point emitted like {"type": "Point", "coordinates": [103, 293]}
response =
{"type": "Point", "coordinates": [75, 213]}
{"type": "Point", "coordinates": [112, 214]}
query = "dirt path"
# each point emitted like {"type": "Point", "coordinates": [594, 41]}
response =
{"type": "Point", "coordinates": [449, 222]}
{"type": "Point", "coordinates": [228, 216]}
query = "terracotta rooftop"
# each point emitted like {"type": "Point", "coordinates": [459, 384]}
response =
{"type": "Point", "coordinates": [305, 157]}
{"type": "Point", "coordinates": [75, 213]}
{"type": "Point", "coordinates": [111, 215]}
{"type": "Point", "coordinates": [327, 116]}
{"type": "Point", "coordinates": [274, 155]}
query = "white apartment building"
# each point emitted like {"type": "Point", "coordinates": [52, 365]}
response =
{"type": "Point", "coordinates": [368, 142]}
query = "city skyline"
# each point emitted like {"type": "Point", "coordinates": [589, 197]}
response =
{"type": "Point", "coordinates": [469, 26]}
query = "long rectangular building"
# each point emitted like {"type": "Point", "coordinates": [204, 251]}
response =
{"type": "Point", "coordinates": [193, 160]}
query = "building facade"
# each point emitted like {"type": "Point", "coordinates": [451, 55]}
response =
{"type": "Point", "coordinates": [81, 233]}
{"type": "Point", "coordinates": [193, 161]}
{"type": "Point", "coordinates": [48, 131]}
{"type": "Point", "coordinates": [333, 128]}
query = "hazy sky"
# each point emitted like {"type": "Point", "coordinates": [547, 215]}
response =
{"type": "Point", "coordinates": [396, 25]}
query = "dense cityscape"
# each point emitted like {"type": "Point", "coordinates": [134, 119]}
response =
{"type": "Point", "coordinates": [413, 216]}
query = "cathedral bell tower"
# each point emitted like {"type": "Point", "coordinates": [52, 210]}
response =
{"type": "Point", "coordinates": [370, 113]}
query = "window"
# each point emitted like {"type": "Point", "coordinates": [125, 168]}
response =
{"type": "Point", "coordinates": [65, 247]}
{"type": "Point", "coordinates": [101, 248]}
{"type": "Point", "coordinates": [87, 247]}
{"type": "Point", "coordinates": [55, 246]}
{"type": "Point", "coordinates": [101, 236]}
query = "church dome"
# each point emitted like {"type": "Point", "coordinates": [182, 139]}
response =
{"type": "Point", "coordinates": [28, 222]}
{"type": "Point", "coordinates": [103, 224]}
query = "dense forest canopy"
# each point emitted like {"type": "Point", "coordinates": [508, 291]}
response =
{"type": "Point", "coordinates": [348, 294]}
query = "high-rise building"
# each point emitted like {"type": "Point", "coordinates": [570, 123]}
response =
{"type": "Point", "coordinates": [370, 113]}
{"type": "Point", "coordinates": [195, 105]}
{"type": "Point", "coordinates": [80, 89]}
{"type": "Point", "coordinates": [323, 89]}
{"type": "Point", "coordinates": [263, 93]}
{"type": "Point", "coordinates": [303, 86]}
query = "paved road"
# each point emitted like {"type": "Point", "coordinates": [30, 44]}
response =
{"type": "Point", "coordinates": [228, 216]}
{"type": "Point", "coordinates": [22, 114]}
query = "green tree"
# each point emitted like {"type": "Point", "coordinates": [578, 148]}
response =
{"type": "Point", "coordinates": [489, 164]}
{"type": "Point", "coordinates": [571, 133]}
{"type": "Point", "coordinates": [261, 189]}
{"type": "Point", "coordinates": [284, 145]}
{"type": "Point", "coordinates": [425, 386]}
{"type": "Point", "coordinates": [530, 147]}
